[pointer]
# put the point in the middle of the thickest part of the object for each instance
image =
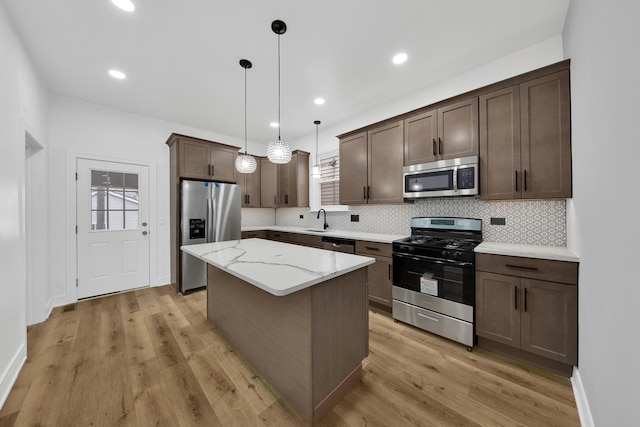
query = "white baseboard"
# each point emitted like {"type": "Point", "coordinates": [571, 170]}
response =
{"type": "Point", "coordinates": [10, 375]}
{"type": "Point", "coordinates": [584, 411]}
{"type": "Point", "coordinates": [162, 280]}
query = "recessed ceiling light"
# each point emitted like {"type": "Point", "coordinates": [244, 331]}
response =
{"type": "Point", "coordinates": [274, 124]}
{"type": "Point", "coordinates": [400, 58]}
{"type": "Point", "coordinates": [117, 74]}
{"type": "Point", "coordinates": [319, 101]}
{"type": "Point", "coordinates": [125, 5]}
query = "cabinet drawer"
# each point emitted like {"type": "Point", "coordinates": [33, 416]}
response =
{"type": "Point", "coordinates": [306, 240]}
{"type": "Point", "coordinates": [373, 248]}
{"type": "Point", "coordinates": [258, 234]}
{"type": "Point", "coordinates": [280, 236]}
{"type": "Point", "coordinates": [532, 268]}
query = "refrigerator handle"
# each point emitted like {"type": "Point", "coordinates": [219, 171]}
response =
{"type": "Point", "coordinates": [210, 219]}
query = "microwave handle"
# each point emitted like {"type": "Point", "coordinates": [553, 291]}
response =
{"type": "Point", "coordinates": [455, 178]}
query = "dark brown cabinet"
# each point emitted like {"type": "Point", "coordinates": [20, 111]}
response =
{"type": "Point", "coordinates": [528, 304]}
{"type": "Point", "coordinates": [293, 181]}
{"type": "Point", "coordinates": [250, 184]}
{"type": "Point", "coordinates": [371, 166]}
{"type": "Point", "coordinates": [206, 160]}
{"type": "Point", "coordinates": [449, 132]}
{"type": "Point", "coordinates": [258, 234]}
{"type": "Point", "coordinates": [379, 274]}
{"type": "Point", "coordinates": [268, 183]}
{"type": "Point", "coordinates": [525, 140]}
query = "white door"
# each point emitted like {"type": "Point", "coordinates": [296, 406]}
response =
{"type": "Point", "coordinates": [113, 227]}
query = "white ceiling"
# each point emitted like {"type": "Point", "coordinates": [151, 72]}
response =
{"type": "Point", "coordinates": [181, 56]}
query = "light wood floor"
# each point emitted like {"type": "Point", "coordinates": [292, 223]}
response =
{"type": "Point", "coordinates": [150, 358]}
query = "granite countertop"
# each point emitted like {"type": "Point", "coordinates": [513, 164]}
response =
{"type": "Point", "coordinates": [356, 235]}
{"type": "Point", "coordinates": [276, 267]}
{"type": "Point", "coordinates": [557, 253]}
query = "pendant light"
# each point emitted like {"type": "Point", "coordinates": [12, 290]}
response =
{"type": "Point", "coordinates": [244, 162]}
{"type": "Point", "coordinates": [279, 151]}
{"type": "Point", "coordinates": [315, 174]}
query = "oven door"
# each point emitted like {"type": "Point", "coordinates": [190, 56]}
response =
{"type": "Point", "coordinates": [451, 280]}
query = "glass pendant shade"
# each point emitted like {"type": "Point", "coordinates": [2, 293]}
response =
{"type": "Point", "coordinates": [246, 163]}
{"type": "Point", "coordinates": [279, 151]}
{"type": "Point", "coordinates": [315, 172]}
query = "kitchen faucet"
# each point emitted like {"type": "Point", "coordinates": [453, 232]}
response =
{"type": "Point", "coordinates": [325, 218]}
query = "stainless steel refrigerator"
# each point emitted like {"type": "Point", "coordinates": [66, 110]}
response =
{"type": "Point", "coordinates": [210, 212]}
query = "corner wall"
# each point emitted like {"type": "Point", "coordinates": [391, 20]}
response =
{"type": "Point", "coordinates": [23, 106]}
{"type": "Point", "coordinates": [601, 38]}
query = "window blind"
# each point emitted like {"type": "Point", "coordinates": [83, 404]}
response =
{"type": "Point", "coordinates": [330, 180]}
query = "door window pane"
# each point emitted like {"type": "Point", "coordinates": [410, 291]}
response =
{"type": "Point", "coordinates": [114, 200]}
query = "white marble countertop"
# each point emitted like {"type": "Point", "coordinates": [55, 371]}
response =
{"type": "Point", "coordinates": [356, 235]}
{"type": "Point", "coordinates": [275, 267]}
{"type": "Point", "coordinates": [557, 253]}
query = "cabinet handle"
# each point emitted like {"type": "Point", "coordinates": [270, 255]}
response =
{"type": "Point", "coordinates": [439, 145]}
{"type": "Point", "coordinates": [389, 271]}
{"type": "Point", "coordinates": [515, 291]}
{"type": "Point", "coordinates": [371, 248]}
{"type": "Point", "coordinates": [368, 192]}
{"type": "Point", "coordinates": [286, 199]}
{"type": "Point", "coordinates": [212, 170]}
{"type": "Point", "coordinates": [434, 147]}
{"type": "Point", "coordinates": [275, 201]}
{"type": "Point", "coordinates": [525, 180]}
{"type": "Point", "coordinates": [248, 198]}
{"type": "Point", "coordinates": [525, 299]}
{"type": "Point", "coordinates": [364, 193]}
{"type": "Point", "coordinates": [522, 267]}
{"type": "Point", "coordinates": [516, 181]}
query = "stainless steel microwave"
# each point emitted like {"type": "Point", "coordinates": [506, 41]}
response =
{"type": "Point", "coordinates": [454, 177]}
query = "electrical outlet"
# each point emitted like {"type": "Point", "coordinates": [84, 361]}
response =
{"type": "Point", "coordinates": [498, 221]}
{"type": "Point", "coordinates": [301, 216]}
{"type": "Point", "coordinates": [355, 218]}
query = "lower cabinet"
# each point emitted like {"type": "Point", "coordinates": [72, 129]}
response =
{"type": "Point", "coordinates": [528, 304]}
{"type": "Point", "coordinates": [379, 274]}
{"type": "Point", "coordinates": [258, 234]}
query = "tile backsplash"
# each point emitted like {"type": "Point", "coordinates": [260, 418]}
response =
{"type": "Point", "coordinates": [534, 222]}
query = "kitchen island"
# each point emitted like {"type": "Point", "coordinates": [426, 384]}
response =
{"type": "Point", "coordinates": [298, 315]}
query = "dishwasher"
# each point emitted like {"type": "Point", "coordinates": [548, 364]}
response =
{"type": "Point", "coordinates": [339, 245]}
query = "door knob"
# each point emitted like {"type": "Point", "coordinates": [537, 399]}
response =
{"type": "Point", "coordinates": [144, 233]}
{"type": "Point", "coordinates": [144, 224]}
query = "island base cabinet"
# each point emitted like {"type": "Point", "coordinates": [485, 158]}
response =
{"type": "Point", "coordinates": [307, 346]}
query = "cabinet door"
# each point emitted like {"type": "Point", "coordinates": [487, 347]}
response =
{"type": "Point", "coordinates": [250, 188]}
{"type": "Point", "coordinates": [268, 183]}
{"type": "Point", "coordinates": [353, 170]}
{"type": "Point", "coordinates": [223, 163]}
{"type": "Point", "coordinates": [301, 180]}
{"type": "Point", "coordinates": [421, 138]}
{"type": "Point", "coordinates": [546, 136]}
{"type": "Point", "coordinates": [293, 181]}
{"type": "Point", "coordinates": [379, 281]}
{"type": "Point", "coordinates": [550, 320]}
{"type": "Point", "coordinates": [194, 159]}
{"type": "Point", "coordinates": [500, 144]}
{"type": "Point", "coordinates": [458, 129]}
{"type": "Point", "coordinates": [498, 308]}
{"type": "Point", "coordinates": [386, 159]}
{"type": "Point", "coordinates": [283, 184]}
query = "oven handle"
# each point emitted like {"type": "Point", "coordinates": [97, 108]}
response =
{"type": "Point", "coordinates": [434, 260]}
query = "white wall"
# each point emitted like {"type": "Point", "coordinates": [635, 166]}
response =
{"type": "Point", "coordinates": [79, 128]}
{"type": "Point", "coordinates": [603, 40]}
{"type": "Point", "coordinates": [23, 106]}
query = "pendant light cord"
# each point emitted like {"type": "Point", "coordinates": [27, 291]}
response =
{"type": "Point", "coordinates": [245, 111]}
{"type": "Point", "coordinates": [279, 124]}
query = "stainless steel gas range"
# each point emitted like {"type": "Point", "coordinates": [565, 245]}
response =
{"type": "Point", "coordinates": [434, 276]}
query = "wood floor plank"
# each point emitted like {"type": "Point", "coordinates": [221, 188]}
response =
{"type": "Point", "coordinates": [150, 358]}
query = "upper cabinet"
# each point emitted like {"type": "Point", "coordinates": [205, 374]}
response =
{"type": "Point", "coordinates": [293, 181]}
{"type": "Point", "coordinates": [250, 184]}
{"type": "Point", "coordinates": [268, 183]}
{"type": "Point", "coordinates": [525, 140]}
{"type": "Point", "coordinates": [445, 133]}
{"type": "Point", "coordinates": [201, 159]}
{"type": "Point", "coordinates": [371, 166]}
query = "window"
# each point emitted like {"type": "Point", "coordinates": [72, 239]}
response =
{"type": "Point", "coordinates": [114, 200]}
{"type": "Point", "coordinates": [329, 180]}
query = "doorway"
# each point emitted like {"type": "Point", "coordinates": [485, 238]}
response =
{"type": "Point", "coordinates": [112, 236]}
